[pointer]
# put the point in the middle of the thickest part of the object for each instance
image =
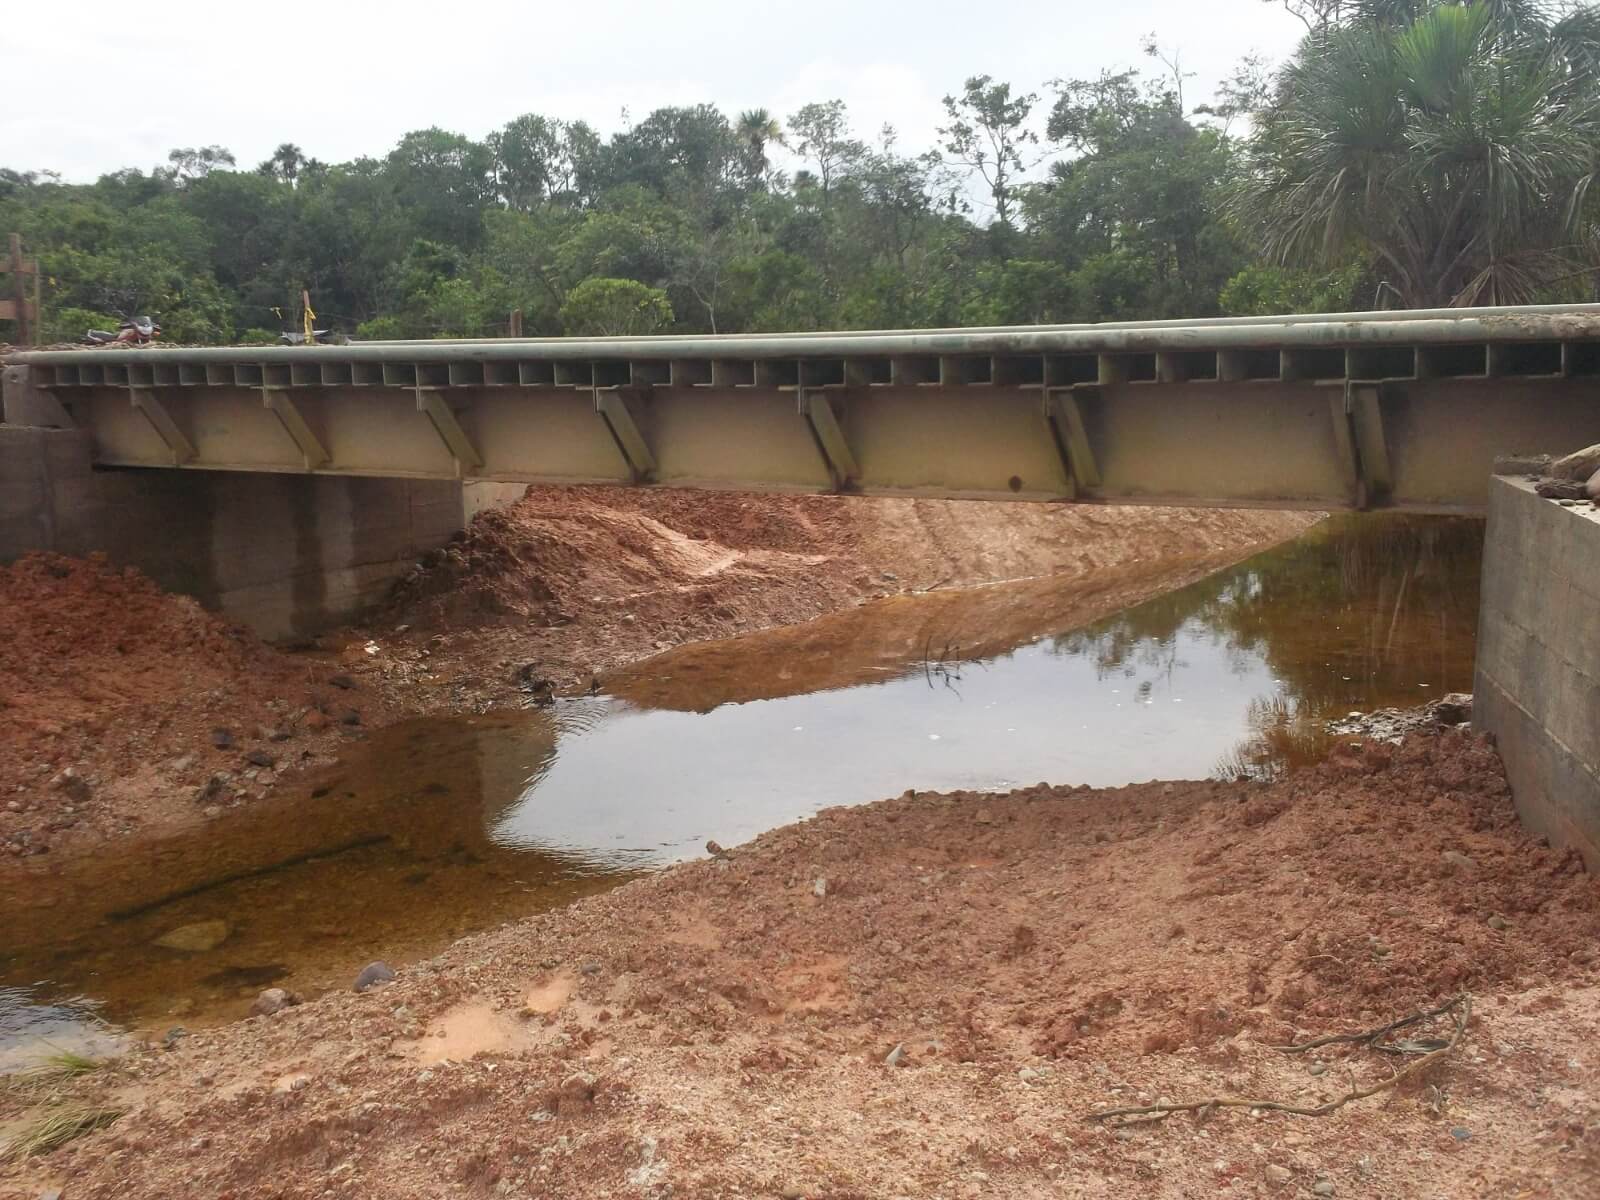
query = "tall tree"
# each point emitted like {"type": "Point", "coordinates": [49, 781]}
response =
{"type": "Point", "coordinates": [1454, 143]}
{"type": "Point", "coordinates": [757, 129]}
{"type": "Point", "coordinates": [987, 133]}
{"type": "Point", "coordinates": [822, 136]}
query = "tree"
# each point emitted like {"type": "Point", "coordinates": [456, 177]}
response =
{"type": "Point", "coordinates": [987, 134]}
{"type": "Point", "coordinates": [615, 307]}
{"type": "Point", "coordinates": [190, 163]}
{"type": "Point", "coordinates": [1453, 143]}
{"type": "Point", "coordinates": [822, 136]}
{"type": "Point", "coordinates": [757, 129]}
{"type": "Point", "coordinates": [285, 164]}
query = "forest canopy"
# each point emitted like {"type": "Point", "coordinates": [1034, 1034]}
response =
{"type": "Point", "coordinates": [1410, 153]}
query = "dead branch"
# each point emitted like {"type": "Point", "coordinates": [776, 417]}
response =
{"type": "Point", "coordinates": [1461, 1007]}
{"type": "Point", "coordinates": [1372, 1037]}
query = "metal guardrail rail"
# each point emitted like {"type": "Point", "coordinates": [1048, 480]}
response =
{"type": "Point", "coordinates": [1406, 409]}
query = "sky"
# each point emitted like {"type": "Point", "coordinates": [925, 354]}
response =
{"type": "Point", "coordinates": [108, 86]}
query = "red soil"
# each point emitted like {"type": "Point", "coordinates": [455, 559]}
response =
{"type": "Point", "coordinates": [722, 1029]}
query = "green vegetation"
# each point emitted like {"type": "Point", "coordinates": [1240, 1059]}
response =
{"type": "Point", "coordinates": [53, 1127]}
{"type": "Point", "coordinates": [1411, 152]}
{"type": "Point", "coordinates": [50, 1075]}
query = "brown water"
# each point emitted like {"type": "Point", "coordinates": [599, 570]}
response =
{"type": "Point", "coordinates": [435, 828]}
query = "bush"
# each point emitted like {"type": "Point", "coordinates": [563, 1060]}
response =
{"type": "Point", "coordinates": [70, 324]}
{"type": "Point", "coordinates": [380, 329]}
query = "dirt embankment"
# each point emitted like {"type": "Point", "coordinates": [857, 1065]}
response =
{"type": "Point", "coordinates": [161, 715]}
{"type": "Point", "coordinates": [126, 707]}
{"type": "Point", "coordinates": [929, 996]}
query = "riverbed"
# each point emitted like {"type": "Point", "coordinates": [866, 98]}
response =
{"type": "Point", "coordinates": [438, 827]}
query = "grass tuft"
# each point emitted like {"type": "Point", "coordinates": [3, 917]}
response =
{"type": "Point", "coordinates": [50, 1074]}
{"type": "Point", "coordinates": [55, 1127]}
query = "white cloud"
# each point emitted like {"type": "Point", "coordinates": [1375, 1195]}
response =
{"type": "Point", "coordinates": [344, 79]}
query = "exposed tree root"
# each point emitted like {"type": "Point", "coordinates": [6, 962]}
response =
{"type": "Point", "coordinates": [1460, 1008]}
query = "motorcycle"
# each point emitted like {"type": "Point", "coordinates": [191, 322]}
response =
{"type": "Point", "coordinates": [134, 331]}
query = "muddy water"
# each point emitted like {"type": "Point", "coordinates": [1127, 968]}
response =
{"type": "Point", "coordinates": [435, 828]}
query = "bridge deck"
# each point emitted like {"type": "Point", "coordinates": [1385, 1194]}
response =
{"type": "Point", "coordinates": [1399, 410]}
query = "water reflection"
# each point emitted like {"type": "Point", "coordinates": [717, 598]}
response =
{"type": "Point", "coordinates": [1360, 613]}
{"type": "Point", "coordinates": [436, 828]}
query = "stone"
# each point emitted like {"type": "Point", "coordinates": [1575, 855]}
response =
{"type": "Point", "coordinates": [819, 887]}
{"type": "Point", "coordinates": [1317, 1068]}
{"type": "Point", "coordinates": [182, 763]}
{"type": "Point", "coordinates": [1461, 1133]}
{"type": "Point", "coordinates": [1579, 465]}
{"type": "Point", "coordinates": [273, 1000]}
{"type": "Point", "coordinates": [1322, 1187]}
{"type": "Point", "coordinates": [196, 938]}
{"type": "Point", "coordinates": [1277, 1175]}
{"type": "Point", "coordinates": [1496, 921]}
{"type": "Point", "coordinates": [373, 974]}
{"type": "Point", "coordinates": [261, 758]}
{"type": "Point", "coordinates": [1591, 489]}
{"type": "Point", "coordinates": [896, 1057]}
{"type": "Point", "coordinates": [68, 781]}
{"type": "Point", "coordinates": [1455, 858]}
{"type": "Point", "coordinates": [349, 717]}
{"type": "Point", "coordinates": [1452, 709]}
{"type": "Point", "coordinates": [211, 789]}
{"type": "Point", "coordinates": [221, 738]}
{"type": "Point", "coordinates": [316, 720]}
{"type": "Point", "coordinates": [1559, 489]}
{"type": "Point", "coordinates": [50, 1194]}
{"type": "Point", "coordinates": [342, 681]}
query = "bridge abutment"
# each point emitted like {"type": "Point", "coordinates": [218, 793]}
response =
{"type": "Point", "coordinates": [1537, 681]}
{"type": "Point", "coordinates": [287, 555]}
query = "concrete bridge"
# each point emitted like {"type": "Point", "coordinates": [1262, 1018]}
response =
{"type": "Point", "coordinates": [1402, 410]}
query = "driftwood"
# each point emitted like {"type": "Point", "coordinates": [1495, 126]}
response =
{"type": "Point", "coordinates": [1460, 1009]}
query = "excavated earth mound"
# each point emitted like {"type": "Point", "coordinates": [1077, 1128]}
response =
{"type": "Point", "coordinates": [931, 996]}
{"type": "Point", "coordinates": [123, 703]}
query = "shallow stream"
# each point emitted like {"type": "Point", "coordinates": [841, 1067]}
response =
{"type": "Point", "coordinates": [438, 827]}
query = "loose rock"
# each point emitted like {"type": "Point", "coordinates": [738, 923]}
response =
{"type": "Point", "coordinates": [273, 1000]}
{"type": "Point", "coordinates": [373, 974]}
{"type": "Point", "coordinates": [1580, 465]}
{"type": "Point", "coordinates": [221, 739]}
{"type": "Point", "coordinates": [196, 938]}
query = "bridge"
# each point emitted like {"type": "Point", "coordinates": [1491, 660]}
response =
{"type": "Point", "coordinates": [1353, 410]}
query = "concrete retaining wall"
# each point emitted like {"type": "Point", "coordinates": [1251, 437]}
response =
{"type": "Point", "coordinates": [1537, 686]}
{"type": "Point", "coordinates": [287, 555]}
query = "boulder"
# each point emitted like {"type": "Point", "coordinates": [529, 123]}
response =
{"type": "Point", "coordinates": [274, 999]}
{"type": "Point", "coordinates": [1579, 466]}
{"type": "Point", "coordinates": [373, 974]}
{"type": "Point", "coordinates": [196, 938]}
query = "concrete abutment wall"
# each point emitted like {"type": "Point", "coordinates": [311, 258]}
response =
{"type": "Point", "coordinates": [287, 555]}
{"type": "Point", "coordinates": [1537, 685]}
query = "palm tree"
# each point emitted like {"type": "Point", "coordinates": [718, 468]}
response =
{"type": "Point", "coordinates": [1450, 144]}
{"type": "Point", "coordinates": [287, 159]}
{"type": "Point", "coordinates": [757, 129]}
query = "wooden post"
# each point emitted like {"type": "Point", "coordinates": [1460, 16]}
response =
{"type": "Point", "coordinates": [516, 322]}
{"type": "Point", "coordinates": [19, 293]}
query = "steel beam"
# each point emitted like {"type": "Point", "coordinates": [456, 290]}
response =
{"type": "Point", "coordinates": [176, 441]}
{"type": "Point", "coordinates": [1366, 414]}
{"type": "Point", "coordinates": [282, 406]}
{"type": "Point", "coordinates": [1072, 440]}
{"type": "Point", "coordinates": [448, 427]}
{"type": "Point", "coordinates": [612, 405]}
{"type": "Point", "coordinates": [836, 453]}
